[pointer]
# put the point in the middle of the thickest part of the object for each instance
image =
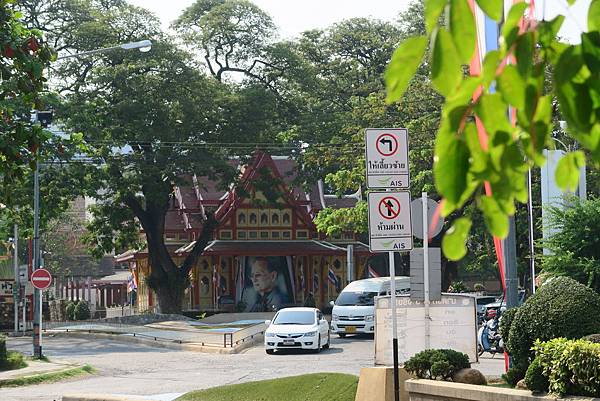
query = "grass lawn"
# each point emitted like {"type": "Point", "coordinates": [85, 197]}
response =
{"type": "Point", "coordinates": [47, 377]}
{"type": "Point", "coordinates": [312, 387]}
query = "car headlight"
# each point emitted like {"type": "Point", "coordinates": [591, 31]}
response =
{"type": "Point", "coordinates": [335, 317]}
{"type": "Point", "coordinates": [369, 318]}
{"type": "Point", "coordinates": [268, 334]}
{"type": "Point", "coordinates": [310, 334]}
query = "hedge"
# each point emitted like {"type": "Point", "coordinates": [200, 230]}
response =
{"type": "Point", "coordinates": [571, 366]}
{"type": "Point", "coordinates": [437, 363]}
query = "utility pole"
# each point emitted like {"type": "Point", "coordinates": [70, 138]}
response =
{"type": "Point", "coordinates": [17, 286]}
{"type": "Point", "coordinates": [37, 295]}
{"type": "Point", "coordinates": [509, 248]}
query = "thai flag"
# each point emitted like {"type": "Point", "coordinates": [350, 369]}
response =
{"type": "Point", "coordinates": [130, 283]}
{"type": "Point", "coordinates": [302, 281]}
{"type": "Point", "coordinates": [332, 278]}
{"type": "Point", "coordinates": [372, 273]}
{"type": "Point", "coordinates": [215, 278]}
{"type": "Point", "coordinates": [315, 281]}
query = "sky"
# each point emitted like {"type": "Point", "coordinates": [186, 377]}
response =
{"type": "Point", "coordinates": [295, 16]}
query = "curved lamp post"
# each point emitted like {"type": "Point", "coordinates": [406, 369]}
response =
{"type": "Point", "coordinates": [144, 46]}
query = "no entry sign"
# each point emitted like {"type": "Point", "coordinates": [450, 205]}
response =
{"type": "Point", "coordinates": [390, 226]}
{"type": "Point", "coordinates": [387, 158]}
{"type": "Point", "coordinates": [41, 279]}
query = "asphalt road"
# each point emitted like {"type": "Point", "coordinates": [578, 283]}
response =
{"type": "Point", "coordinates": [135, 369]}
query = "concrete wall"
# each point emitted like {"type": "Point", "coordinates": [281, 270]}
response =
{"type": "Point", "coordinates": [430, 390]}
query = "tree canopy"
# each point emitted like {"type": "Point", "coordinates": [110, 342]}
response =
{"type": "Point", "coordinates": [24, 56]}
{"type": "Point", "coordinates": [477, 146]}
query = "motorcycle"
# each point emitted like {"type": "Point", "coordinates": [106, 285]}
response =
{"type": "Point", "coordinates": [488, 335]}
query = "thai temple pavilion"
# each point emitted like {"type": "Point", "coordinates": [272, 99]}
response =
{"type": "Point", "coordinates": [264, 254]}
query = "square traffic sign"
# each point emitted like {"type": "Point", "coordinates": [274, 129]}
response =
{"type": "Point", "coordinates": [390, 228]}
{"type": "Point", "coordinates": [387, 158]}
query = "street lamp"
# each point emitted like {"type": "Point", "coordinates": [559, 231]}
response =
{"type": "Point", "coordinates": [144, 46]}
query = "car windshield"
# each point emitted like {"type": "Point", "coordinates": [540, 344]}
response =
{"type": "Point", "coordinates": [347, 298]}
{"type": "Point", "coordinates": [295, 317]}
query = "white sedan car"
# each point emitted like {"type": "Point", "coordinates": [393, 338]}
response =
{"type": "Point", "coordinates": [299, 328]}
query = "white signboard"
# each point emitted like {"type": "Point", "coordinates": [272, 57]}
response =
{"type": "Point", "coordinates": [387, 158]}
{"type": "Point", "coordinates": [452, 326]}
{"type": "Point", "coordinates": [390, 227]}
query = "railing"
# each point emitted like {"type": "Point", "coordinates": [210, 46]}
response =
{"type": "Point", "coordinates": [201, 337]}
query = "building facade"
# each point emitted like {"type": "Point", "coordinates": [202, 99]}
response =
{"type": "Point", "coordinates": [266, 251]}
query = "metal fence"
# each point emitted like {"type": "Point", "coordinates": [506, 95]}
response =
{"type": "Point", "coordinates": [187, 336]}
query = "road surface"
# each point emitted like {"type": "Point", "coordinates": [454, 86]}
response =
{"type": "Point", "coordinates": [136, 369]}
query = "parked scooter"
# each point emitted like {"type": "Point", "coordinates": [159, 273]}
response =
{"type": "Point", "coordinates": [488, 335]}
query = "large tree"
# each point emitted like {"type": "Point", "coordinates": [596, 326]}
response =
{"type": "Point", "coordinates": [24, 56]}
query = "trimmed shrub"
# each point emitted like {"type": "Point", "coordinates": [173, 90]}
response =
{"type": "Point", "coordinates": [81, 311]}
{"type": "Point", "coordinates": [3, 353]}
{"type": "Point", "coordinates": [70, 311]}
{"type": "Point", "coordinates": [515, 374]}
{"type": "Point", "coordinates": [595, 338]}
{"type": "Point", "coordinates": [506, 321]}
{"type": "Point", "coordinates": [535, 379]}
{"type": "Point", "coordinates": [572, 366]}
{"type": "Point", "coordinates": [437, 363]}
{"type": "Point", "coordinates": [560, 308]}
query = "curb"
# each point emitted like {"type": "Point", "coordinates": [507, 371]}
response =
{"type": "Point", "coordinates": [195, 347]}
{"type": "Point", "coordinates": [101, 397]}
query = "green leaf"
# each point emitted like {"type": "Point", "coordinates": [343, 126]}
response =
{"type": "Point", "coordinates": [490, 65]}
{"type": "Point", "coordinates": [493, 112]}
{"type": "Point", "coordinates": [451, 164]}
{"type": "Point", "coordinates": [510, 28]}
{"type": "Point", "coordinates": [446, 69]}
{"type": "Point", "coordinates": [495, 219]}
{"type": "Point", "coordinates": [548, 30]}
{"type": "Point", "coordinates": [512, 86]}
{"type": "Point", "coordinates": [594, 16]}
{"type": "Point", "coordinates": [455, 239]}
{"type": "Point", "coordinates": [478, 159]}
{"type": "Point", "coordinates": [567, 170]}
{"type": "Point", "coordinates": [574, 98]}
{"type": "Point", "coordinates": [492, 8]}
{"type": "Point", "coordinates": [462, 28]}
{"type": "Point", "coordinates": [404, 64]}
{"type": "Point", "coordinates": [590, 46]}
{"type": "Point", "coordinates": [433, 10]}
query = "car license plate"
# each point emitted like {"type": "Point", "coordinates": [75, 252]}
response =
{"type": "Point", "coordinates": [350, 329]}
{"type": "Point", "coordinates": [288, 341]}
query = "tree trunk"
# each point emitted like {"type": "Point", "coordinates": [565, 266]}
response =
{"type": "Point", "coordinates": [170, 294]}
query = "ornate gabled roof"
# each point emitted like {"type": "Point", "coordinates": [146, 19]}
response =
{"type": "Point", "coordinates": [203, 193]}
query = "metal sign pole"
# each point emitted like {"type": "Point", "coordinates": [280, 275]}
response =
{"type": "Point", "coordinates": [37, 296]}
{"type": "Point", "coordinates": [394, 325]}
{"type": "Point", "coordinates": [426, 269]}
{"type": "Point", "coordinates": [16, 288]}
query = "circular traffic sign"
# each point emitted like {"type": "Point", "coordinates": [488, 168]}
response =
{"type": "Point", "coordinates": [416, 208]}
{"type": "Point", "coordinates": [386, 144]}
{"type": "Point", "coordinates": [389, 207]}
{"type": "Point", "coordinates": [41, 279]}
